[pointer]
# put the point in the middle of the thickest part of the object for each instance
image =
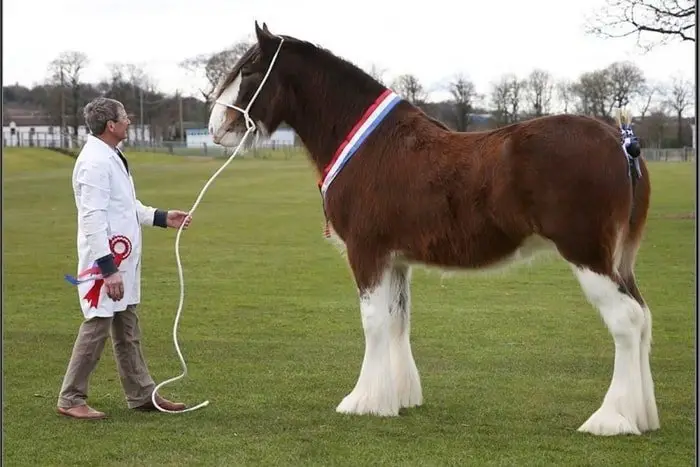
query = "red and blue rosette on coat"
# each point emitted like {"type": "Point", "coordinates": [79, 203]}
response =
{"type": "Point", "coordinates": [120, 246]}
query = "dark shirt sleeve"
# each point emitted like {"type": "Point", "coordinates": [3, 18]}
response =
{"type": "Point", "coordinates": [160, 218]}
{"type": "Point", "coordinates": [107, 265]}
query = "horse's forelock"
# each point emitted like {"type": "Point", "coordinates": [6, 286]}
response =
{"type": "Point", "coordinates": [245, 58]}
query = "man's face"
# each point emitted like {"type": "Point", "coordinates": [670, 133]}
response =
{"type": "Point", "coordinates": [119, 127]}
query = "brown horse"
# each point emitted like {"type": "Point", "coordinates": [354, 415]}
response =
{"type": "Point", "coordinates": [406, 190]}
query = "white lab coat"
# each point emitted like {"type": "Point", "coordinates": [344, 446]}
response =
{"type": "Point", "coordinates": [107, 206]}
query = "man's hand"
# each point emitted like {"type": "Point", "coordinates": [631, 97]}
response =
{"type": "Point", "coordinates": [115, 286]}
{"type": "Point", "coordinates": [175, 219]}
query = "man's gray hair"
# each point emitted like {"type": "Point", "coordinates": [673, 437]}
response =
{"type": "Point", "coordinates": [99, 111]}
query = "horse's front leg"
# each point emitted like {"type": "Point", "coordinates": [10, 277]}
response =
{"type": "Point", "coordinates": [375, 391]}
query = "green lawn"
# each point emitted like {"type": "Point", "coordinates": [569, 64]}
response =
{"type": "Point", "coordinates": [511, 364]}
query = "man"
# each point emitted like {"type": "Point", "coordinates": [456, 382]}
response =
{"type": "Point", "coordinates": [109, 241]}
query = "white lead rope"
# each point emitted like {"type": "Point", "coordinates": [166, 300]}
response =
{"type": "Point", "coordinates": [250, 127]}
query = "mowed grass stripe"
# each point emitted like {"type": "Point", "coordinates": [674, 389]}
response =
{"type": "Point", "coordinates": [511, 363]}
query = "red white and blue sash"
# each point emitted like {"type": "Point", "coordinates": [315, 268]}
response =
{"type": "Point", "coordinates": [369, 121]}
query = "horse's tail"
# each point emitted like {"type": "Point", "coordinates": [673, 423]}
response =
{"type": "Point", "coordinates": [630, 146]}
{"type": "Point", "coordinates": [640, 188]}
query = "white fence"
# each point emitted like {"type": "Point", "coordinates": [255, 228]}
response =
{"type": "Point", "coordinates": [669, 154]}
{"type": "Point", "coordinates": [259, 150]}
{"type": "Point", "coordinates": [50, 136]}
{"type": "Point", "coordinates": [179, 148]}
{"type": "Point", "coordinates": [281, 137]}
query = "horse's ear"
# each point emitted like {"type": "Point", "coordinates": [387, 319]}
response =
{"type": "Point", "coordinates": [266, 40]}
{"type": "Point", "coordinates": [264, 32]}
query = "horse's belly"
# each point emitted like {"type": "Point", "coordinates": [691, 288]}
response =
{"type": "Point", "coordinates": [486, 254]}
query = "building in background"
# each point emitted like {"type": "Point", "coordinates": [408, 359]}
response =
{"type": "Point", "coordinates": [34, 128]}
{"type": "Point", "coordinates": [282, 137]}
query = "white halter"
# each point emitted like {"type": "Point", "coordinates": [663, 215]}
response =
{"type": "Point", "coordinates": [250, 126]}
{"type": "Point", "coordinates": [249, 123]}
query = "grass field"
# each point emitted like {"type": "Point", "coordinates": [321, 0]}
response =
{"type": "Point", "coordinates": [511, 364]}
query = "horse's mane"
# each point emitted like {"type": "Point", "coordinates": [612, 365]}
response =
{"type": "Point", "coordinates": [320, 54]}
{"type": "Point", "coordinates": [305, 48]}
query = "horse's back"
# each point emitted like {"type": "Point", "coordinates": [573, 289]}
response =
{"type": "Point", "coordinates": [565, 162]}
{"type": "Point", "coordinates": [469, 199]}
{"type": "Point", "coordinates": [562, 178]}
{"type": "Point", "coordinates": [568, 179]}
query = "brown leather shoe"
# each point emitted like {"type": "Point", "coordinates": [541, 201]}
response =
{"type": "Point", "coordinates": [82, 412]}
{"type": "Point", "coordinates": [163, 403]}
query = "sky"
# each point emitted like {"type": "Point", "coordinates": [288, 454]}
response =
{"type": "Point", "coordinates": [433, 40]}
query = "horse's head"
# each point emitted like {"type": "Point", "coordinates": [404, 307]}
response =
{"type": "Point", "coordinates": [285, 79]}
{"type": "Point", "coordinates": [253, 85]}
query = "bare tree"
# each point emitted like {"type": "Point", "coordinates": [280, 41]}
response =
{"type": "Point", "coordinates": [539, 87]}
{"type": "Point", "coordinates": [463, 95]}
{"type": "Point", "coordinates": [140, 83]}
{"type": "Point", "coordinates": [655, 127]}
{"type": "Point", "coordinates": [506, 96]}
{"type": "Point", "coordinates": [137, 76]}
{"type": "Point", "coordinates": [116, 75]}
{"type": "Point", "coordinates": [626, 81]}
{"type": "Point", "coordinates": [517, 89]}
{"type": "Point", "coordinates": [680, 96]}
{"type": "Point", "coordinates": [565, 93]}
{"type": "Point", "coordinates": [501, 100]}
{"type": "Point", "coordinates": [647, 93]}
{"type": "Point", "coordinates": [409, 87]}
{"type": "Point", "coordinates": [500, 90]}
{"type": "Point", "coordinates": [216, 65]}
{"type": "Point", "coordinates": [594, 92]}
{"type": "Point", "coordinates": [118, 83]}
{"type": "Point", "coordinates": [377, 73]}
{"type": "Point", "coordinates": [664, 20]}
{"type": "Point", "coordinates": [131, 84]}
{"type": "Point", "coordinates": [65, 71]}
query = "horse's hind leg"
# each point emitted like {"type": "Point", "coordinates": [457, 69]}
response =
{"type": "Point", "coordinates": [622, 410]}
{"type": "Point", "coordinates": [627, 273]}
{"type": "Point", "coordinates": [595, 263]}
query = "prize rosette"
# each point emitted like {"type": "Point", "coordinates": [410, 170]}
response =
{"type": "Point", "coordinates": [120, 246]}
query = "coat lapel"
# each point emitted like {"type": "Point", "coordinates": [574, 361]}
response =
{"type": "Point", "coordinates": [111, 153]}
{"type": "Point", "coordinates": [117, 160]}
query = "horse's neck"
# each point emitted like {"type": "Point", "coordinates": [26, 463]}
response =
{"type": "Point", "coordinates": [323, 117]}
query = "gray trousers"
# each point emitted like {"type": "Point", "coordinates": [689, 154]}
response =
{"type": "Point", "coordinates": [87, 350]}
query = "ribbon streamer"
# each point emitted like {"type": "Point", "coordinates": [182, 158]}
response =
{"type": "Point", "coordinates": [93, 272]}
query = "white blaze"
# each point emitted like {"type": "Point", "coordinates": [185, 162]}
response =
{"type": "Point", "coordinates": [218, 123]}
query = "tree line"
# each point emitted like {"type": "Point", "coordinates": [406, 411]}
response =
{"type": "Point", "coordinates": [65, 93]}
{"type": "Point", "coordinates": [508, 99]}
